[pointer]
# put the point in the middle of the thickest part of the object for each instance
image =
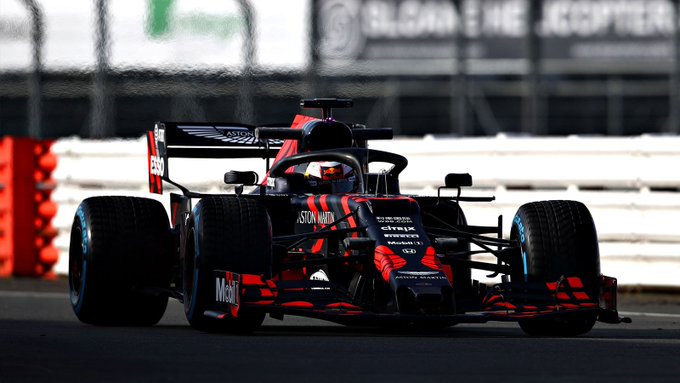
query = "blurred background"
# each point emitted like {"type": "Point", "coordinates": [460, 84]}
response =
{"type": "Point", "coordinates": [97, 68]}
{"type": "Point", "coordinates": [544, 99]}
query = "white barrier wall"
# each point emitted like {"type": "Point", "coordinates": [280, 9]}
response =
{"type": "Point", "coordinates": [631, 186]}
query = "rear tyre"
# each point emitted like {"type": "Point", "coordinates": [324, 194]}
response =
{"type": "Point", "coordinates": [224, 233]}
{"type": "Point", "coordinates": [557, 238]}
{"type": "Point", "coordinates": [119, 258]}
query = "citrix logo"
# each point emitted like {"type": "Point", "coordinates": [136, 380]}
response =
{"type": "Point", "coordinates": [398, 228]}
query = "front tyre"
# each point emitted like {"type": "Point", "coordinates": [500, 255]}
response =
{"type": "Point", "coordinates": [119, 253]}
{"type": "Point", "coordinates": [230, 234]}
{"type": "Point", "coordinates": [557, 239]}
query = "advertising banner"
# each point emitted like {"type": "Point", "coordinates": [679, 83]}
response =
{"type": "Point", "coordinates": [163, 35]}
{"type": "Point", "coordinates": [385, 36]}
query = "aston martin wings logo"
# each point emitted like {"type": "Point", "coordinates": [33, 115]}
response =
{"type": "Point", "coordinates": [237, 135]}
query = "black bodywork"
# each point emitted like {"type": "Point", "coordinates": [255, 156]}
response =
{"type": "Point", "coordinates": [388, 258]}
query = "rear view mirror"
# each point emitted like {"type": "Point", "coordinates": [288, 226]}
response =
{"type": "Point", "coordinates": [240, 178]}
{"type": "Point", "coordinates": [456, 180]}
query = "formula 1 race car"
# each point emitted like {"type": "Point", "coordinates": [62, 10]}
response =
{"type": "Point", "coordinates": [323, 237]}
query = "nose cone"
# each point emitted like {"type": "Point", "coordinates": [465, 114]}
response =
{"type": "Point", "coordinates": [425, 300]}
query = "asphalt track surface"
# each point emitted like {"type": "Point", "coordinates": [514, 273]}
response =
{"type": "Point", "coordinates": [42, 341]}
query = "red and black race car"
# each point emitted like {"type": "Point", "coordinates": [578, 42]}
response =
{"type": "Point", "coordinates": [323, 237]}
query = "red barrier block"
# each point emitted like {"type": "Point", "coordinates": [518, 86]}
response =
{"type": "Point", "coordinates": [6, 227]}
{"type": "Point", "coordinates": [26, 210]}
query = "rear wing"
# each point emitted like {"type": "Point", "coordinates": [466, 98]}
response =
{"type": "Point", "coordinates": [232, 140]}
{"type": "Point", "coordinates": [201, 140]}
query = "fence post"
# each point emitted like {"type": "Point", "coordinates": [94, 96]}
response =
{"type": "Point", "coordinates": [35, 75]}
{"type": "Point", "coordinates": [459, 80]}
{"type": "Point", "coordinates": [99, 109]}
{"type": "Point", "coordinates": [244, 101]}
{"type": "Point", "coordinates": [674, 86]}
{"type": "Point", "coordinates": [532, 102]}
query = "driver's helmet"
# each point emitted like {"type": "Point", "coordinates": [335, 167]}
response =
{"type": "Point", "coordinates": [328, 177]}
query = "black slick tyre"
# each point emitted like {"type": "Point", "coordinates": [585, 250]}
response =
{"type": "Point", "coordinates": [223, 233]}
{"type": "Point", "coordinates": [557, 239]}
{"type": "Point", "coordinates": [119, 261]}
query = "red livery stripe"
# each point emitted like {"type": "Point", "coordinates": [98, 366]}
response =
{"type": "Point", "coordinates": [318, 246]}
{"type": "Point", "coordinates": [298, 304]}
{"type": "Point", "coordinates": [252, 280]}
{"type": "Point", "coordinates": [261, 303]}
{"type": "Point", "coordinates": [563, 297]}
{"type": "Point", "coordinates": [430, 259]}
{"type": "Point", "coordinates": [155, 182]}
{"type": "Point", "coordinates": [386, 261]}
{"type": "Point", "coordinates": [581, 296]}
{"type": "Point", "coordinates": [289, 147]}
{"type": "Point", "coordinates": [575, 283]}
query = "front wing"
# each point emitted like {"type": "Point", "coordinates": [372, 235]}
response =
{"type": "Point", "coordinates": [327, 301]}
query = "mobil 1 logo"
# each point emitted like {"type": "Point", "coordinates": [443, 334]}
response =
{"type": "Point", "coordinates": [227, 288]}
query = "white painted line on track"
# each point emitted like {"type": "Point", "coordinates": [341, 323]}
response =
{"type": "Point", "coordinates": [32, 294]}
{"type": "Point", "coordinates": [657, 315]}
